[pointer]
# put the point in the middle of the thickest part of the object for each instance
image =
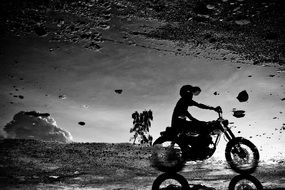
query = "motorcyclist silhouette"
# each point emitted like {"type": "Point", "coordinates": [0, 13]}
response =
{"type": "Point", "coordinates": [183, 121]}
{"type": "Point", "coordinates": [189, 139]}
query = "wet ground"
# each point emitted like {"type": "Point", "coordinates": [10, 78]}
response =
{"type": "Point", "coordinates": [205, 175]}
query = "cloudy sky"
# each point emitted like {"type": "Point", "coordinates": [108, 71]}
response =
{"type": "Point", "coordinates": [149, 79]}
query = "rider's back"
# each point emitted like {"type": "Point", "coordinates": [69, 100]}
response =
{"type": "Point", "coordinates": [180, 111]}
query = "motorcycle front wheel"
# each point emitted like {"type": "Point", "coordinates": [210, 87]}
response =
{"type": "Point", "coordinates": [167, 155]}
{"type": "Point", "coordinates": [245, 182]}
{"type": "Point", "coordinates": [170, 181]}
{"type": "Point", "coordinates": [242, 155]}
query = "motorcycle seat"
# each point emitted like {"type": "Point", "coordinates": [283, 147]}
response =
{"type": "Point", "coordinates": [168, 130]}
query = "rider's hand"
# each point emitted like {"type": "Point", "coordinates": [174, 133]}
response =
{"type": "Point", "coordinates": [218, 109]}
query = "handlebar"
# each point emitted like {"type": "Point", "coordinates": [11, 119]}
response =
{"type": "Point", "coordinates": [220, 114]}
{"type": "Point", "coordinates": [220, 111]}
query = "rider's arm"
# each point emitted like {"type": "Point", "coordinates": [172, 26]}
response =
{"type": "Point", "coordinates": [203, 106]}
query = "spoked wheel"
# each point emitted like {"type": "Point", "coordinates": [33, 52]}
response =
{"type": "Point", "coordinates": [242, 155]}
{"type": "Point", "coordinates": [170, 181]}
{"type": "Point", "coordinates": [167, 155]}
{"type": "Point", "coordinates": [245, 182]}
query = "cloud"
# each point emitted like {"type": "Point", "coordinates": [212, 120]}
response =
{"type": "Point", "coordinates": [34, 125]}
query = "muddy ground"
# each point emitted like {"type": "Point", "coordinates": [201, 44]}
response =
{"type": "Point", "coordinates": [29, 164]}
{"type": "Point", "coordinates": [251, 29]}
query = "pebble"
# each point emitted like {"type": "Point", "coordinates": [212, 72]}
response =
{"type": "Point", "coordinates": [242, 22]}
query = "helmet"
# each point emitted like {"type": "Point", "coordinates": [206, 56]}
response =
{"type": "Point", "coordinates": [189, 91]}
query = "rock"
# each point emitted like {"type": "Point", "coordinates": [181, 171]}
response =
{"type": "Point", "coordinates": [53, 176]}
{"type": "Point", "coordinates": [103, 26]}
{"type": "Point", "coordinates": [209, 6]}
{"type": "Point", "coordinates": [82, 123]}
{"type": "Point", "coordinates": [242, 22]}
{"type": "Point", "coordinates": [242, 96]}
{"type": "Point", "coordinates": [238, 113]}
{"type": "Point", "coordinates": [216, 93]}
{"type": "Point", "coordinates": [119, 91]}
{"type": "Point", "coordinates": [62, 96]}
{"type": "Point", "coordinates": [201, 18]}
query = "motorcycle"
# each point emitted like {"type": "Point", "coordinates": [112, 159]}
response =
{"type": "Point", "coordinates": [172, 150]}
{"type": "Point", "coordinates": [175, 181]}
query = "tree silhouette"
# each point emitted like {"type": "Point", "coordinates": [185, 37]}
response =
{"type": "Point", "coordinates": [141, 125]}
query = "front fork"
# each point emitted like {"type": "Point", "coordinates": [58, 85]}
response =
{"type": "Point", "coordinates": [237, 148]}
{"type": "Point", "coordinates": [229, 134]}
{"type": "Point", "coordinates": [227, 131]}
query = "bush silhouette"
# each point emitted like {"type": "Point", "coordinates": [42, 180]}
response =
{"type": "Point", "coordinates": [141, 125]}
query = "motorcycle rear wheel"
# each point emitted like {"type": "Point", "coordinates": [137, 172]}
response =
{"type": "Point", "coordinates": [242, 155]}
{"type": "Point", "coordinates": [168, 155]}
{"type": "Point", "coordinates": [171, 181]}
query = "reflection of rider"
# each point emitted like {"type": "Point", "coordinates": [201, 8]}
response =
{"type": "Point", "coordinates": [180, 114]}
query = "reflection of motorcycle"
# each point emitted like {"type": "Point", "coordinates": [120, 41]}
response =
{"type": "Point", "coordinates": [245, 182]}
{"type": "Point", "coordinates": [172, 150]}
{"type": "Point", "coordinates": [170, 181]}
{"type": "Point", "coordinates": [174, 181]}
